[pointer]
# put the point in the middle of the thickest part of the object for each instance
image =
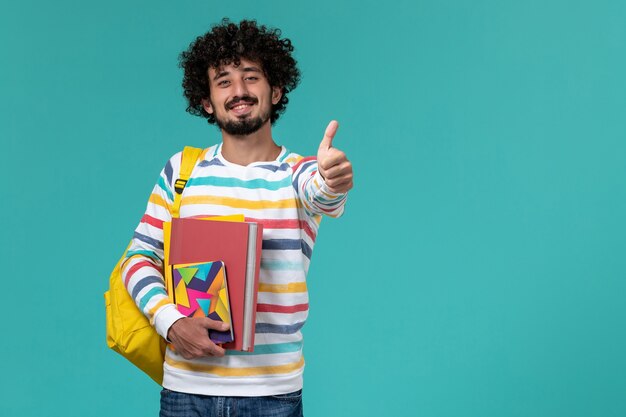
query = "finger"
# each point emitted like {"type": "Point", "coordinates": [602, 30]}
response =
{"type": "Point", "coordinates": [344, 168]}
{"type": "Point", "coordinates": [334, 157]}
{"type": "Point", "coordinates": [343, 188]}
{"type": "Point", "coordinates": [214, 324]}
{"type": "Point", "coordinates": [329, 134]}
{"type": "Point", "coordinates": [214, 350]}
{"type": "Point", "coordinates": [337, 183]}
{"type": "Point", "coordinates": [218, 351]}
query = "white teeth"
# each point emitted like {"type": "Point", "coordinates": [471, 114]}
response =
{"type": "Point", "coordinates": [240, 106]}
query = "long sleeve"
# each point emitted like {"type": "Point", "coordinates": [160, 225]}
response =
{"type": "Point", "coordinates": [313, 193]}
{"type": "Point", "coordinates": [142, 269]}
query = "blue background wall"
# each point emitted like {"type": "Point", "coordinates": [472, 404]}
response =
{"type": "Point", "coordinates": [479, 268]}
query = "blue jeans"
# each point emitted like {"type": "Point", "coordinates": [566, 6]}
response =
{"type": "Point", "coordinates": [178, 404]}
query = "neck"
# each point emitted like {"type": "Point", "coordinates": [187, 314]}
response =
{"type": "Point", "coordinates": [256, 147]}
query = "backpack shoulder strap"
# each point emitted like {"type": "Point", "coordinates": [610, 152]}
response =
{"type": "Point", "coordinates": [189, 158]}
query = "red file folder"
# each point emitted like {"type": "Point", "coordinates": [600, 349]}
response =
{"type": "Point", "coordinates": [238, 245]}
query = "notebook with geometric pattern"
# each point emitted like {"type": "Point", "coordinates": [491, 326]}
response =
{"type": "Point", "coordinates": [201, 290]}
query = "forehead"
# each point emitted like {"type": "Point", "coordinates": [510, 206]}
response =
{"type": "Point", "coordinates": [244, 65]}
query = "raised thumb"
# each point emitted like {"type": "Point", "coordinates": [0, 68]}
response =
{"type": "Point", "coordinates": [329, 134]}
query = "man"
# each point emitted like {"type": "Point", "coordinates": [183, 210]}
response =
{"type": "Point", "coordinates": [238, 77]}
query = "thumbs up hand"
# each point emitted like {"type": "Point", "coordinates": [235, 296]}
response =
{"type": "Point", "coordinates": [332, 163]}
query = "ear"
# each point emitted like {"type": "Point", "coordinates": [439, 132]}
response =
{"type": "Point", "coordinates": [277, 94]}
{"type": "Point", "coordinates": [206, 103]}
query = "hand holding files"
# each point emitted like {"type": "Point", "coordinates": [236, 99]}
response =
{"type": "Point", "coordinates": [190, 337]}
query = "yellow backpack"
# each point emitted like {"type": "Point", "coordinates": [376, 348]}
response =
{"type": "Point", "coordinates": [129, 332]}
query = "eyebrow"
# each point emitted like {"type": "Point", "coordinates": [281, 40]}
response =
{"type": "Point", "coordinates": [245, 69]}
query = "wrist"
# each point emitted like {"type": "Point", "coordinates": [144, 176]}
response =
{"type": "Point", "coordinates": [164, 318]}
{"type": "Point", "coordinates": [172, 328]}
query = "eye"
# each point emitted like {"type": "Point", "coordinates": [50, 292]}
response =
{"type": "Point", "coordinates": [252, 78]}
{"type": "Point", "coordinates": [223, 83]}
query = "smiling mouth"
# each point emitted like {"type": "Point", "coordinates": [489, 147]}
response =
{"type": "Point", "coordinates": [241, 109]}
{"type": "Point", "coordinates": [241, 103]}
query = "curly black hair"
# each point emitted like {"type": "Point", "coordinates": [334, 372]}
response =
{"type": "Point", "coordinates": [227, 43]}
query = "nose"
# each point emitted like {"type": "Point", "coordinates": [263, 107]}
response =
{"type": "Point", "coordinates": [240, 88]}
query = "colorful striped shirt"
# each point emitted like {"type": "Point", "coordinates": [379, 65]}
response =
{"type": "Point", "coordinates": [288, 196]}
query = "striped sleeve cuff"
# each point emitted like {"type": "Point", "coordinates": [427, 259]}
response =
{"type": "Point", "coordinates": [323, 190]}
{"type": "Point", "coordinates": [164, 319]}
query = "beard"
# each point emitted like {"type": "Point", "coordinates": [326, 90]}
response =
{"type": "Point", "coordinates": [242, 126]}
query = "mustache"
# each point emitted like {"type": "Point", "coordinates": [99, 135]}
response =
{"type": "Point", "coordinates": [243, 99]}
